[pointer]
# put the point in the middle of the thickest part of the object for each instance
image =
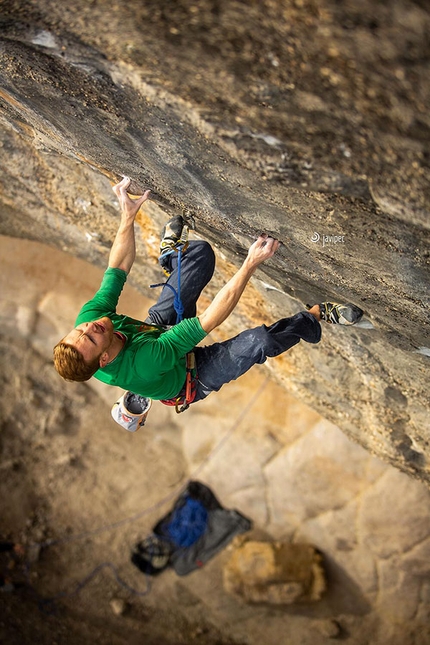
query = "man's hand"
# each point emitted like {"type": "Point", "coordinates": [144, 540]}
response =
{"type": "Point", "coordinates": [123, 251]}
{"type": "Point", "coordinates": [226, 300]}
{"type": "Point", "coordinates": [262, 249]}
{"type": "Point", "coordinates": [129, 207]}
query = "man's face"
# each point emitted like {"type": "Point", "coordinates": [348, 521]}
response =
{"type": "Point", "coordinates": [91, 339]}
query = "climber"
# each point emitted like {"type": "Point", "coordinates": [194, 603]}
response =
{"type": "Point", "coordinates": [152, 358]}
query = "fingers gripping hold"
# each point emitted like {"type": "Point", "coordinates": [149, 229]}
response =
{"type": "Point", "coordinates": [129, 206]}
{"type": "Point", "coordinates": [262, 249]}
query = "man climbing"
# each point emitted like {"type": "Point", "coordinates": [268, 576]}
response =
{"type": "Point", "coordinates": [159, 359]}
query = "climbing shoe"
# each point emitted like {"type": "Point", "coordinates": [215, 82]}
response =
{"type": "Point", "coordinates": [336, 314]}
{"type": "Point", "coordinates": [174, 235]}
{"type": "Point", "coordinates": [173, 238]}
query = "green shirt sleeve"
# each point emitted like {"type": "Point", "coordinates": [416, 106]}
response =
{"type": "Point", "coordinates": [106, 299]}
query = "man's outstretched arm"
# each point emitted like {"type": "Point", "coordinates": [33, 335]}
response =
{"type": "Point", "coordinates": [123, 251]}
{"type": "Point", "coordinates": [226, 299]}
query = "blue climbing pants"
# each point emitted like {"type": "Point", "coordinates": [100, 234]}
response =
{"type": "Point", "coordinates": [221, 363]}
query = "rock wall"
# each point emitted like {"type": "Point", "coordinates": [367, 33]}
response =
{"type": "Point", "coordinates": [306, 120]}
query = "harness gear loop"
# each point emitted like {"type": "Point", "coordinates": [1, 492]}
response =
{"type": "Point", "coordinates": [190, 386]}
{"type": "Point", "coordinates": [188, 393]}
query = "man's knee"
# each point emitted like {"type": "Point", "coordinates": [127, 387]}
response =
{"type": "Point", "coordinates": [203, 250]}
{"type": "Point", "coordinates": [199, 257]}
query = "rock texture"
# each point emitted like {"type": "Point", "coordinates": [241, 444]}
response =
{"type": "Point", "coordinates": [274, 572]}
{"type": "Point", "coordinates": [307, 120]}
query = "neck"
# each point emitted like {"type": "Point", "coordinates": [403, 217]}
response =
{"type": "Point", "coordinates": [115, 347]}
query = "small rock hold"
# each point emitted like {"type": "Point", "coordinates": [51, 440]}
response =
{"type": "Point", "coordinates": [33, 553]}
{"type": "Point", "coordinates": [63, 460]}
{"type": "Point", "coordinates": [328, 628]}
{"type": "Point", "coordinates": [118, 606]}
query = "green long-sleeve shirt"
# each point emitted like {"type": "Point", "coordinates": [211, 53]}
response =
{"type": "Point", "coordinates": [152, 362]}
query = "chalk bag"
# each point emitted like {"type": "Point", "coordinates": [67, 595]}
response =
{"type": "Point", "coordinates": [131, 410]}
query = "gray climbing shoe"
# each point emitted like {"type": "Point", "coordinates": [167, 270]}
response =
{"type": "Point", "coordinates": [337, 314]}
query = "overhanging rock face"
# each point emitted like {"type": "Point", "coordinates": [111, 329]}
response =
{"type": "Point", "coordinates": [307, 122]}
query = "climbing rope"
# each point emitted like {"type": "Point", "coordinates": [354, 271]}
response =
{"type": "Point", "coordinates": [177, 302]}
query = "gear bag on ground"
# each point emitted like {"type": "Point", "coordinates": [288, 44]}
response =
{"type": "Point", "coordinates": [195, 530]}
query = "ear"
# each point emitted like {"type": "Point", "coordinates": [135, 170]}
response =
{"type": "Point", "coordinates": [104, 359]}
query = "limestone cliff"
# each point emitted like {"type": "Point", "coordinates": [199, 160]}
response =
{"type": "Point", "coordinates": [308, 120]}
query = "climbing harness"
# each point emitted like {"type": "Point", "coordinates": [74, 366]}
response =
{"type": "Point", "coordinates": [188, 393]}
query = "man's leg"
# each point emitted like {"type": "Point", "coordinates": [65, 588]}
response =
{"type": "Point", "coordinates": [221, 363]}
{"type": "Point", "coordinates": [197, 267]}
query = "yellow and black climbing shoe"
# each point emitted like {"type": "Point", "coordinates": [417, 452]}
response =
{"type": "Point", "coordinates": [174, 238]}
{"type": "Point", "coordinates": [337, 314]}
{"type": "Point", "coordinates": [174, 235]}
